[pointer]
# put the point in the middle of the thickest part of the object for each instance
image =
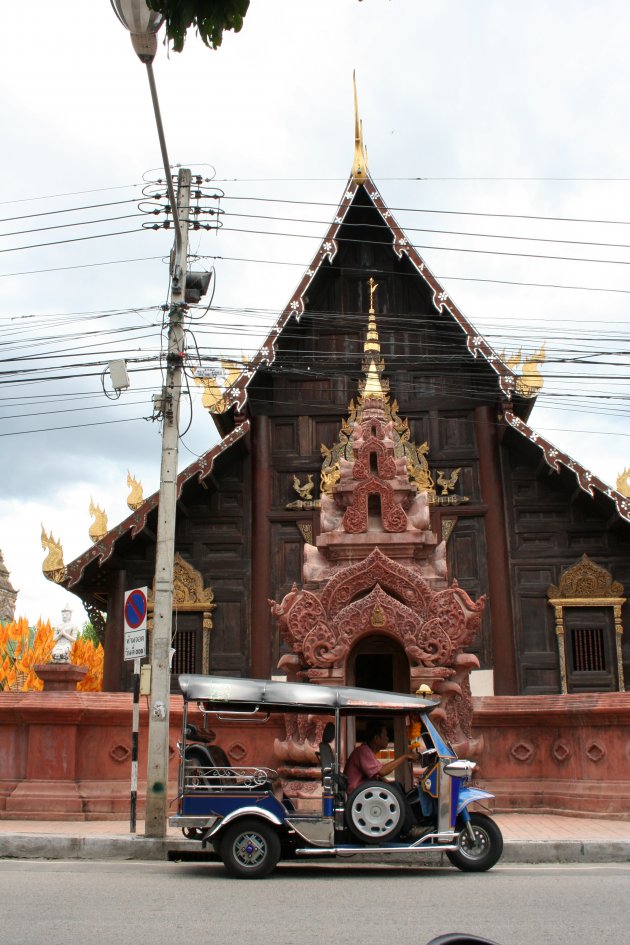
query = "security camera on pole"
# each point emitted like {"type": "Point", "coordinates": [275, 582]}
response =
{"type": "Point", "coordinates": [143, 25]}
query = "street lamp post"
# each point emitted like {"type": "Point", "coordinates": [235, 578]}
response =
{"type": "Point", "coordinates": [143, 25]}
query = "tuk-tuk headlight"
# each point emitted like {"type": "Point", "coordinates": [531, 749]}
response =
{"type": "Point", "coordinates": [460, 768]}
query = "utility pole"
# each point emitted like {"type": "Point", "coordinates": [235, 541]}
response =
{"type": "Point", "coordinates": [158, 742]}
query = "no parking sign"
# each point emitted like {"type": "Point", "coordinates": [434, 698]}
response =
{"type": "Point", "coordinates": [135, 620]}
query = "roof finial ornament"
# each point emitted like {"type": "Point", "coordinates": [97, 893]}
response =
{"type": "Point", "coordinates": [372, 341]}
{"type": "Point", "coordinates": [372, 364]}
{"type": "Point", "coordinates": [359, 167]}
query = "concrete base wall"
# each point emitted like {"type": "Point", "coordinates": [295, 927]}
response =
{"type": "Point", "coordinates": [556, 754]}
{"type": "Point", "coordinates": [67, 755]}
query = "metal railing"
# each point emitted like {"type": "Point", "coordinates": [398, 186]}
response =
{"type": "Point", "coordinates": [217, 779]}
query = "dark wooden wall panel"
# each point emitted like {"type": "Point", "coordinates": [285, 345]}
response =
{"type": "Point", "coordinates": [551, 525]}
{"type": "Point", "coordinates": [466, 555]}
{"type": "Point", "coordinates": [286, 558]}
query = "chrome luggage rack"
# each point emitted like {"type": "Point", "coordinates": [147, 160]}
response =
{"type": "Point", "coordinates": [216, 779]}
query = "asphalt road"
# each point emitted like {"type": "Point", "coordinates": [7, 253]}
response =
{"type": "Point", "coordinates": [121, 903]}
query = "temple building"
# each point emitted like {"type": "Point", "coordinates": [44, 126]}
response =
{"type": "Point", "coordinates": [8, 594]}
{"type": "Point", "coordinates": [378, 509]}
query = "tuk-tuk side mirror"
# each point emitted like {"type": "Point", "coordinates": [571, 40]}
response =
{"type": "Point", "coordinates": [428, 757]}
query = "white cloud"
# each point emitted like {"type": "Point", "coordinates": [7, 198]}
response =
{"type": "Point", "coordinates": [447, 89]}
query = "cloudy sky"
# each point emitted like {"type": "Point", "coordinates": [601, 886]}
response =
{"type": "Point", "coordinates": [499, 131]}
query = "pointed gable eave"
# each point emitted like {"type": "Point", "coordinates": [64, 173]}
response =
{"type": "Point", "coordinates": [236, 396]}
{"type": "Point", "coordinates": [555, 458]}
{"type": "Point", "coordinates": [134, 523]}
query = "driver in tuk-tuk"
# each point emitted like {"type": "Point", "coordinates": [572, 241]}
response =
{"type": "Point", "coordinates": [363, 765]}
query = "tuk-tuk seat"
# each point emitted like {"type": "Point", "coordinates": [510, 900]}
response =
{"type": "Point", "coordinates": [328, 762]}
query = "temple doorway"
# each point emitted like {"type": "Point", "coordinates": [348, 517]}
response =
{"type": "Point", "coordinates": [379, 662]}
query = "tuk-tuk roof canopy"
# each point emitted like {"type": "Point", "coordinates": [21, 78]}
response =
{"type": "Point", "coordinates": [227, 694]}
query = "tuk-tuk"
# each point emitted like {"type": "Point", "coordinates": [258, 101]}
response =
{"type": "Point", "coordinates": [240, 810]}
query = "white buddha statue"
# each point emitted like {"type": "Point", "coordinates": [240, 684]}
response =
{"type": "Point", "coordinates": [65, 635]}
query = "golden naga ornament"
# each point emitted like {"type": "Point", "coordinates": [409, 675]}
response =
{"type": "Point", "coordinates": [304, 491]}
{"type": "Point", "coordinates": [418, 467]}
{"type": "Point", "coordinates": [98, 528]}
{"type": "Point", "coordinates": [330, 476]}
{"type": "Point", "coordinates": [531, 381]}
{"type": "Point", "coordinates": [306, 500]}
{"type": "Point", "coordinates": [448, 483]}
{"type": "Point", "coordinates": [53, 567]}
{"type": "Point", "coordinates": [360, 162]}
{"type": "Point", "coordinates": [135, 497]}
{"type": "Point", "coordinates": [512, 361]}
{"type": "Point", "coordinates": [623, 482]}
{"type": "Point", "coordinates": [214, 397]}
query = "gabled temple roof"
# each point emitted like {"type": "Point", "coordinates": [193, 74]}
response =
{"type": "Point", "coordinates": [444, 305]}
{"type": "Point", "coordinates": [236, 396]}
{"type": "Point", "coordinates": [134, 523]}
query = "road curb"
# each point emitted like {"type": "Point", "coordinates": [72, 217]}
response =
{"type": "Point", "coordinates": [63, 847]}
{"type": "Point", "coordinates": [566, 851]}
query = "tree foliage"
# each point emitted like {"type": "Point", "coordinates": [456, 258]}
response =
{"type": "Point", "coordinates": [89, 632]}
{"type": "Point", "coordinates": [209, 17]}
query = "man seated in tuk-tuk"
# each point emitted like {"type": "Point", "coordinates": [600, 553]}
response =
{"type": "Point", "coordinates": [363, 765]}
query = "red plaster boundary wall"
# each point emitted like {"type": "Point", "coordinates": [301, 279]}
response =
{"type": "Point", "coordinates": [556, 754]}
{"type": "Point", "coordinates": [67, 756]}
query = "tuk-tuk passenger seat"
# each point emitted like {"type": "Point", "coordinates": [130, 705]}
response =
{"type": "Point", "coordinates": [328, 762]}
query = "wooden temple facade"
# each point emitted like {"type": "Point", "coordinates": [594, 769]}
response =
{"type": "Point", "coordinates": [378, 511]}
{"type": "Point", "coordinates": [515, 519]}
{"type": "Point", "coordinates": [544, 539]}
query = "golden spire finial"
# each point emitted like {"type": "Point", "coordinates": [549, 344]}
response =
{"type": "Point", "coordinates": [359, 167]}
{"type": "Point", "coordinates": [373, 386]}
{"type": "Point", "coordinates": [372, 347]}
{"type": "Point", "coordinates": [372, 342]}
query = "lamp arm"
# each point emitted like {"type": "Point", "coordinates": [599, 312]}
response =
{"type": "Point", "coordinates": [165, 160]}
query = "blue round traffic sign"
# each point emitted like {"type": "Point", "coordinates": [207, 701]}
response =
{"type": "Point", "coordinates": [135, 609]}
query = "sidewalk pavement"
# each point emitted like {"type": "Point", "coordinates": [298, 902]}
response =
{"type": "Point", "coordinates": [529, 838]}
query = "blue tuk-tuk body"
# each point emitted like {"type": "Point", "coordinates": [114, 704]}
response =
{"type": "Point", "coordinates": [242, 813]}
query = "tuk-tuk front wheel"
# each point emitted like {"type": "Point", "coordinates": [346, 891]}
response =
{"type": "Point", "coordinates": [484, 852]}
{"type": "Point", "coordinates": [250, 849]}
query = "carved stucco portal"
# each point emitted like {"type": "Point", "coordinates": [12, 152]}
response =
{"type": "Point", "coordinates": [376, 568]}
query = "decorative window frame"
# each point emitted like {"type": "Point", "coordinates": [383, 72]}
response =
{"type": "Point", "coordinates": [587, 584]}
{"type": "Point", "coordinates": [189, 596]}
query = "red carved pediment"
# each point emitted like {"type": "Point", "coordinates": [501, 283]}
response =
{"type": "Point", "coordinates": [377, 568]}
{"type": "Point", "coordinates": [393, 517]}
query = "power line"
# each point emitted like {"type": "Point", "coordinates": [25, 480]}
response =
{"type": "Point", "coordinates": [74, 426]}
{"type": "Point", "coordinates": [65, 226]}
{"type": "Point", "coordinates": [48, 213]}
{"type": "Point", "coordinates": [109, 262]}
{"type": "Point", "coordinates": [348, 224]}
{"type": "Point", "coordinates": [70, 193]}
{"type": "Point", "coordinates": [77, 239]}
{"type": "Point", "coordinates": [460, 213]}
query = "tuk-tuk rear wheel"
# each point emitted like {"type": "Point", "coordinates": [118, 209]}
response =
{"type": "Point", "coordinates": [250, 848]}
{"type": "Point", "coordinates": [484, 853]}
